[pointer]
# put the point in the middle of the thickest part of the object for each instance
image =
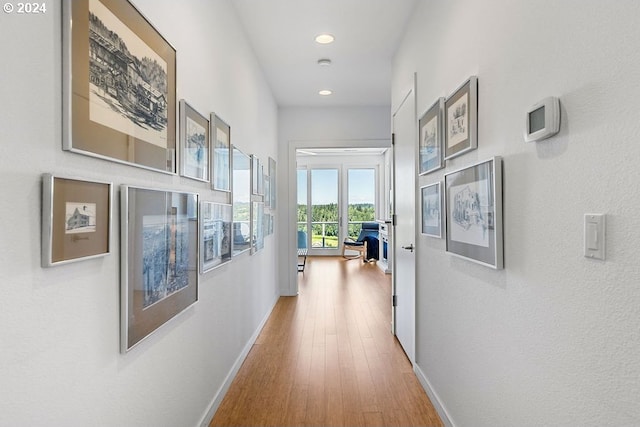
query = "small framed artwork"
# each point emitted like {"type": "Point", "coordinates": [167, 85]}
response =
{"type": "Point", "coordinates": [267, 189]}
{"type": "Point", "coordinates": [221, 154]}
{"type": "Point", "coordinates": [159, 270]}
{"type": "Point", "coordinates": [461, 120]}
{"type": "Point", "coordinates": [272, 183]}
{"type": "Point", "coordinates": [241, 196]}
{"type": "Point", "coordinates": [256, 177]}
{"type": "Point", "coordinates": [216, 220]}
{"type": "Point", "coordinates": [119, 90]}
{"type": "Point", "coordinates": [431, 125]}
{"type": "Point", "coordinates": [76, 219]}
{"type": "Point", "coordinates": [431, 200]}
{"type": "Point", "coordinates": [194, 143]}
{"type": "Point", "coordinates": [257, 226]}
{"type": "Point", "coordinates": [473, 214]}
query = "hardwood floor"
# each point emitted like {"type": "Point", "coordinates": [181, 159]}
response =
{"type": "Point", "coordinates": [327, 358]}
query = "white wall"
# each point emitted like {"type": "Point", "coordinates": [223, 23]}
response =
{"type": "Point", "coordinates": [554, 339]}
{"type": "Point", "coordinates": [317, 127]}
{"type": "Point", "coordinates": [59, 359]}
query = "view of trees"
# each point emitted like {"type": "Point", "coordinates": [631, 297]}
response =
{"type": "Point", "coordinates": [329, 213]}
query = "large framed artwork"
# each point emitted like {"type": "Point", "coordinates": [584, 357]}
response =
{"type": "Point", "coordinates": [272, 183]}
{"type": "Point", "coordinates": [221, 154]}
{"type": "Point", "coordinates": [159, 270]}
{"type": "Point", "coordinates": [431, 201]}
{"type": "Point", "coordinates": [473, 198]}
{"type": "Point", "coordinates": [461, 119]}
{"type": "Point", "coordinates": [430, 145]}
{"type": "Point", "coordinates": [241, 196]}
{"type": "Point", "coordinates": [119, 90]}
{"type": "Point", "coordinates": [194, 143]}
{"type": "Point", "coordinates": [216, 220]}
{"type": "Point", "coordinates": [257, 226]}
{"type": "Point", "coordinates": [76, 219]}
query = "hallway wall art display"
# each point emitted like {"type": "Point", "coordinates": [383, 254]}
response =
{"type": "Point", "coordinates": [221, 154]}
{"type": "Point", "coordinates": [119, 89]}
{"type": "Point", "coordinates": [431, 134]}
{"type": "Point", "coordinates": [461, 119]}
{"type": "Point", "coordinates": [473, 197]}
{"type": "Point", "coordinates": [159, 270]}
{"type": "Point", "coordinates": [216, 221]}
{"type": "Point", "coordinates": [76, 219]}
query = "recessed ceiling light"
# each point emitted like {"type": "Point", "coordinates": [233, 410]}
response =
{"type": "Point", "coordinates": [325, 38]}
{"type": "Point", "coordinates": [325, 62]}
{"type": "Point", "coordinates": [325, 92]}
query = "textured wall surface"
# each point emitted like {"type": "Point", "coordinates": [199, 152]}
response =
{"type": "Point", "coordinates": [554, 339]}
{"type": "Point", "coordinates": [59, 354]}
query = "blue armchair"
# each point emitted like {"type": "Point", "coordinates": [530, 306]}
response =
{"type": "Point", "coordinates": [366, 243]}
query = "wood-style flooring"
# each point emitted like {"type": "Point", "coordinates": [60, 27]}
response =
{"type": "Point", "coordinates": [327, 358]}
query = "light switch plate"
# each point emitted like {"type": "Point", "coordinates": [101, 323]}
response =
{"type": "Point", "coordinates": [594, 236]}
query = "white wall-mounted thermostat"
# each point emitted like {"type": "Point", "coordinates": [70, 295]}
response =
{"type": "Point", "coordinates": [543, 120]}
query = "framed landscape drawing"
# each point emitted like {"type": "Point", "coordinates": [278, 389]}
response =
{"type": "Point", "coordinates": [159, 253]}
{"type": "Point", "coordinates": [221, 154]}
{"type": "Point", "coordinates": [473, 198]}
{"type": "Point", "coordinates": [461, 120]}
{"type": "Point", "coordinates": [194, 143]}
{"type": "Point", "coordinates": [241, 196]}
{"type": "Point", "coordinates": [431, 201]}
{"type": "Point", "coordinates": [216, 221]}
{"type": "Point", "coordinates": [119, 88]}
{"type": "Point", "coordinates": [430, 129]}
{"type": "Point", "coordinates": [76, 219]}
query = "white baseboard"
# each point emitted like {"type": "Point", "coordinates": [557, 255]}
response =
{"type": "Point", "coordinates": [222, 391]}
{"type": "Point", "coordinates": [433, 396]}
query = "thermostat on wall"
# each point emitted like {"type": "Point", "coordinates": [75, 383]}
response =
{"type": "Point", "coordinates": [543, 120]}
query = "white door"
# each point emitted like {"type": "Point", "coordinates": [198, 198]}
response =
{"type": "Point", "coordinates": [404, 272]}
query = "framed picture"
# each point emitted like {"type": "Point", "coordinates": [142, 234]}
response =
{"type": "Point", "coordinates": [76, 219]}
{"type": "Point", "coordinates": [474, 212]}
{"type": "Point", "coordinates": [431, 126]}
{"type": "Point", "coordinates": [216, 221]}
{"type": "Point", "coordinates": [431, 200]}
{"type": "Point", "coordinates": [255, 175]}
{"type": "Point", "coordinates": [461, 120]}
{"type": "Point", "coordinates": [194, 143]}
{"type": "Point", "coordinates": [159, 270]}
{"type": "Point", "coordinates": [267, 189]}
{"type": "Point", "coordinates": [119, 90]}
{"type": "Point", "coordinates": [272, 183]}
{"type": "Point", "coordinates": [257, 226]}
{"type": "Point", "coordinates": [241, 196]}
{"type": "Point", "coordinates": [221, 154]}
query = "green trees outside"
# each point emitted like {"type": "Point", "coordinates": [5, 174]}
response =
{"type": "Point", "coordinates": [328, 213]}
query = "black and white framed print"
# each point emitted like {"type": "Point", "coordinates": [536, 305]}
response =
{"type": "Point", "coordinates": [431, 201]}
{"type": "Point", "coordinates": [159, 267]}
{"type": "Point", "coordinates": [430, 145]}
{"type": "Point", "coordinates": [119, 88]}
{"type": "Point", "coordinates": [194, 143]}
{"type": "Point", "coordinates": [461, 120]}
{"type": "Point", "coordinates": [221, 154]}
{"type": "Point", "coordinates": [216, 220]}
{"type": "Point", "coordinates": [473, 198]}
{"type": "Point", "coordinates": [76, 219]}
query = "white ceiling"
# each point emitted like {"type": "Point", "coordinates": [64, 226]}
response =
{"type": "Point", "coordinates": [367, 33]}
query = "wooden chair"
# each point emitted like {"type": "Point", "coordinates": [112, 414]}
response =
{"type": "Point", "coordinates": [369, 229]}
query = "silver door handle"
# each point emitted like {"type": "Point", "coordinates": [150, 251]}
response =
{"type": "Point", "coordinates": [409, 248]}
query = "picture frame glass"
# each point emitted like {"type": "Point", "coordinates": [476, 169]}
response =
{"type": "Point", "coordinates": [257, 226]}
{"type": "Point", "coordinates": [216, 221]}
{"type": "Point", "coordinates": [159, 273]}
{"type": "Point", "coordinates": [221, 173]}
{"type": "Point", "coordinates": [430, 156]}
{"type": "Point", "coordinates": [460, 117]}
{"type": "Point", "coordinates": [241, 195]}
{"type": "Point", "coordinates": [431, 201]}
{"type": "Point", "coordinates": [194, 143]}
{"type": "Point", "coordinates": [120, 96]}
{"type": "Point", "coordinates": [473, 212]}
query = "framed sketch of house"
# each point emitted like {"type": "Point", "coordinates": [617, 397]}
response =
{"type": "Point", "coordinates": [431, 212]}
{"type": "Point", "coordinates": [431, 132]}
{"type": "Point", "coordinates": [473, 198]}
{"type": "Point", "coordinates": [461, 119]}
{"type": "Point", "coordinates": [119, 87]}
{"type": "Point", "coordinates": [159, 253]}
{"type": "Point", "coordinates": [76, 219]}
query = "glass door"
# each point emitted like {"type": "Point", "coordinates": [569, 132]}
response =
{"type": "Point", "coordinates": [361, 199]}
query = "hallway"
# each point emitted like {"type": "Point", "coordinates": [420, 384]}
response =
{"type": "Point", "coordinates": [327, 357]}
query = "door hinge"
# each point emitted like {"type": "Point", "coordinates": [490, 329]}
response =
{"type": "Point", "coordinates": [393, 139]}
{"type": "Point", "coordinates": [395, 301]}
{"type": "Point", "coordinates": [394, 221]}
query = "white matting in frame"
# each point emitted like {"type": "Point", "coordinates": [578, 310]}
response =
{"type": "Point", "coordinates": [461, 120]}
{"type": "Point", "coordinates": [216, 221]}
{"type": "Point", "coordinates": [473, 197]}
{"type": "Point", "coordinates": [431, 201]}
